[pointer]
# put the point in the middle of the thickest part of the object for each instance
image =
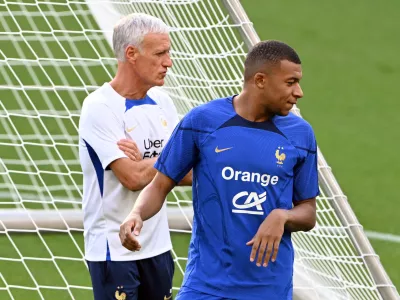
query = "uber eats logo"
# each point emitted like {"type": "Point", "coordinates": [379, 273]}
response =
{"type": "Point", "coordinates": [153, 148]}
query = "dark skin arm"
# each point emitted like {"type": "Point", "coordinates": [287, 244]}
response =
{"type": "Point", "coordinates": [147, 205]}
{"type": "Point", "coordinates": [302, 217]}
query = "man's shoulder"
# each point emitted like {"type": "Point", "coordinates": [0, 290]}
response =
{"type": "Point", "coordinates": [215, 108]}
{"type": "Point", "coordinates": [296, 129]}
{"type": "Point", "coordinates": [293, 122]}
{"type": "Point", "coordinates": [211, 115]}
{"type": "Point", "coordinates": [159, 96]}
{"type": "Point", "coordinates": [101, 99]}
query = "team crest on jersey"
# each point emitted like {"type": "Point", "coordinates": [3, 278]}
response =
{"type": "Point", "coordinates": [280, 156]}
{"type": "Point", "coordinates": [164, 125]}
{"type": "Point", "coordinates": [164, 122]}
{"type": "Point", "coordinates": [118, 295]}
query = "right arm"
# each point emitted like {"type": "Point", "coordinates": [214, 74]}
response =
{"type": "Point", "coordinates": [103, 131]}
{"type": "Point", "coordinates": [147, 205]}
{"type": "Point", "coordinates": [134, 175]}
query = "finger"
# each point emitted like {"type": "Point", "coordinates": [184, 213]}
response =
{"type": "Point", "coordinates": [127, 239]}
{"type": "Point", "coordinates": [121, 233]}
{"type": "Point", "coordinates": [268, 252]}
{"type": "Point", "coordinates": [129, 144]}
{"type": "Point", "coordinates": [254, 249]}
{"type": "Point", "coordinates": [130, 155]}
{"type": "Point", "coordinates": [249, 243]}
{"type": "Point", "coordinates": [126, 149]}
{"type": "Point", "coordinates": [138, 156]}
{"type": "Point", "coordinates": [131, 244]}
{"type": "Point", "coordinates": [138, 228]}
{"type": "Point", "coordinates": [276, 248]}
{"type": "Point", "coordinates": [123, 141]}
{"type": "Point", "coordinates": [261, 252]}
{"type": "Point", "coordinates": [129, 152]}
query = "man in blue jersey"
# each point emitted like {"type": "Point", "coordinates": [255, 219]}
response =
{"type": "Point", "coordinates": [254, 182]}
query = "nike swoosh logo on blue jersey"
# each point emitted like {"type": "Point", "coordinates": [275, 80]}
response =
{"type": "Point", "coordinates": [221, 150]}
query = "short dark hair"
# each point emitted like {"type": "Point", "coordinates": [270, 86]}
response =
{"type": "Point", "coordinates": [268, 53]}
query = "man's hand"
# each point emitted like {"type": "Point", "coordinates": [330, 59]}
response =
{"type": "Point", "coordinates": [268, 237]}
{"type": "Point", "coordinates": [132, 223]}
{"type": "Point", "coordinates": [130, 149]}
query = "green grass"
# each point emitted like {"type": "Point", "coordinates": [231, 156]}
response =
{"type": "Point", "coordinates": [350, 61]}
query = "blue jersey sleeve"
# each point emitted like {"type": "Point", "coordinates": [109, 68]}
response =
{"type": "Point", "coordinates": [305, 185]}
{"type": "Point", "coordinates": [181, 152]}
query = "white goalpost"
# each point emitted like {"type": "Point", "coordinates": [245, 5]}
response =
{"type": "Point", "coordinates": [53, 53]}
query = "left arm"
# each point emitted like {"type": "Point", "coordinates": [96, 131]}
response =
{"type": "Point", "coordinates": [303, 216]}
{"type": "Point", "coordinates": [187, 180]}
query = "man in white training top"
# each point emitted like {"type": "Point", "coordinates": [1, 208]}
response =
{"type": "Point", "coordinates": [114, 173]}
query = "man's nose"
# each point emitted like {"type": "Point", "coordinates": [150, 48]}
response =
{"type": "Point", "coordinates": [298, 92]}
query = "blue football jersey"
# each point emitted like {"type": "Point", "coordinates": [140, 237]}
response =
{"type": "Point", "coordinates": [242, 170]}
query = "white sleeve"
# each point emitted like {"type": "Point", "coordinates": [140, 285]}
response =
{"type": "Point", "coordinates": [100, 129]}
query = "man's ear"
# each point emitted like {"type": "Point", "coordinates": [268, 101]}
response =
{"type": "Point", "coordinates": [260, 79]}
{"type": "Point", "coordinates": [131, 54]}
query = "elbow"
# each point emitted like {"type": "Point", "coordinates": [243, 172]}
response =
{"type": "Point", "coordinates": [309, 225]}
{"type": "Point", "coordinates": [311, 222]}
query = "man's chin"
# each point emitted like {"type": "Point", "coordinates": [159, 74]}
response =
{"type": "Point", "coordinates": [283, 113]}
{"type": "Point", "coordinates": [159, 82]}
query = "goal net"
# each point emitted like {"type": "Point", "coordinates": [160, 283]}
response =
{"type": "Point", "coordinates": [53, 53]}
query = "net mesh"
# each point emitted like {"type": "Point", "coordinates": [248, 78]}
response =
{"type": "Point", "coordinates": [52, 55]}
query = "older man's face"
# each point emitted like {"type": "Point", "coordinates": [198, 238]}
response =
{"type": "Point", "coordinates": [154, 59]}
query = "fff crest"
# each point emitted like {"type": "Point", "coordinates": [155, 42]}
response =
{"type": "Point", "coordinates": [280, 156]}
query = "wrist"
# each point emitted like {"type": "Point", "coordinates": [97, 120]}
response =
{"type": "Point", "coordinates": [135, 213]}
{"type": "Point", "coordinates": [284, 214]}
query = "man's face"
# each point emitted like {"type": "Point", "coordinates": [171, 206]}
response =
{"type": "Point", "coordinates": [153, 59]}
{"type": "Point", "coordinates": [282, 87]}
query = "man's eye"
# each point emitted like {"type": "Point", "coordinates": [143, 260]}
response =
{"type": "Point", "coordinates": [290, 83]}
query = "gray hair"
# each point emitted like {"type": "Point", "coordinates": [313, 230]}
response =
{"type": "Point", "coordinates": [131, 29]}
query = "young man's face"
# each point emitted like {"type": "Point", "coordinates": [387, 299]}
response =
{"type": "Point", "coordinates": [153, 59]}
{"type": "Point", "coordinates": [282, 87]}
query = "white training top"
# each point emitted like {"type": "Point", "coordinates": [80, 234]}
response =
{"type": "Point", "coordinates": [106, 118]}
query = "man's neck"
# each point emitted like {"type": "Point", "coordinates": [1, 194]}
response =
{"type": "Point", "coordinates": [249, 106]}
{"type": "Point", "coordinates": [128, 85]}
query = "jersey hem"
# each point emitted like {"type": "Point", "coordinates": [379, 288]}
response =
{"type": "Point", "coordinates": [234, 295]}
{"type": "Point", "coordinates": [124, 258]}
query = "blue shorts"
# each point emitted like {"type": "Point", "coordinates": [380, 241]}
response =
{"type": "Point", "coordinates": [145, 279]}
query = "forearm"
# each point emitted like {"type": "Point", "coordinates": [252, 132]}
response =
{"type": "Point", "coordinates": [145, 172]}
{"type": "Point", "coordinates": [149, 202]}
{"type": "Point", "coordinates": [301, 217]}
{"type": "Point", "coordinates": [152, 198]}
